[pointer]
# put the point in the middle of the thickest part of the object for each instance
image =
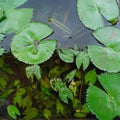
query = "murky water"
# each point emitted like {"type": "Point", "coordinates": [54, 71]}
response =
{"type": "Point", "coordinates": [65, 12]}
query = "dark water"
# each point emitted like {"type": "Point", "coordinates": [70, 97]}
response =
{"type": "Point", "coordinates": [65, 12]}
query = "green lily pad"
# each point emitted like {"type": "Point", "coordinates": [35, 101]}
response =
{"type": "Point", "coordinates": [109, 36]}
{"type": "Point", "coordinates": [90, 12]}
{"type": "Point", "coordinates": [29, 47]}
{"type": "Point", "coordinates": [106, 105]}
{"type": "Point", "coordinates": [104, 58]}
{"type": "Point", "coordinates": [15, 20]}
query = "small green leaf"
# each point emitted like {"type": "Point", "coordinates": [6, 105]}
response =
{"type": "Point", "coordinates": [29, 47]}
{"type": "Point", "coordinates": [33, 70]}
{"type": "Point", "coordinates": [30, 113]}
{"type": "Point", "coordinates": [70, 76]}
{"type": "Point", "coordinates": [90, 76]}
{"type": "Point", "coordinates": [66, 55]}
{"type": "Point", "coordinates": [47, 114]}
{"type": "Point", "coordinates": [90, 12]}
{"type": "Point", "coordinates": [16, 20]}
{"type": "Point", "coordinates": [82, 58]}
{"type": "Point", "coordinates": [13, 111]}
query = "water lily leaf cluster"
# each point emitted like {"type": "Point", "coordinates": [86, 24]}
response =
{"type": "Point", "coordinates": [106, 105]}
{"type": "Point", "coordinates": [91, 12]}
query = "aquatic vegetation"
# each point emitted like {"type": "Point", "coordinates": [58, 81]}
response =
{"type": "Point", "coordinates": [55, 82]}
{"type": "Point", "coordinates": [28, 45]}
{"type": "Point", "coordinates": [106, 57]}
{"type": "Point", "coordinates": [91, 12]}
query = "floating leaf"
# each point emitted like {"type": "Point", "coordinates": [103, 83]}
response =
{"type": "Point", "coordinates": [90, 76]}
{"type": "Point", "coordinates": [66, 55]}
{"type": "Point", "coordinates": [28, 47]}
{"type": "Point", "coordinates": [16, 20]}
{"type": "Point", "coordinates": [11, 4]}
{"type": "Point", "coordinates": [82, 58]}
{"type": "Point", "coordinates": [106, 105]}
{"type": "Point", "coordinates": [13, 111]}
{"type": "Point", "coordinates": [33, 70]}
{"type": "Point", "coordinates": [109, 36]}
{"type": "Point", "coordinates": [104, 58]}
{"type": "Point", "coordinates": [90, 11]}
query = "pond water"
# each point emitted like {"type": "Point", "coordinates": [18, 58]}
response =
{"type": "Point", "coordinates": [63, 11]}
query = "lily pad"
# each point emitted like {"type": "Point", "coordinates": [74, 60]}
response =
{"type": "Point", "coordinates": [90, 12]}
{"type": "Point", "coordinates": [106, 105]}
{"type": "Point", "coordinates": [29, 47]}
{"type": "Point", "coordinates": [109, 36]}
{"type": "Point", "coordinates": [104, 58]}
{"type": "Point", "coordinates": [15, 20]}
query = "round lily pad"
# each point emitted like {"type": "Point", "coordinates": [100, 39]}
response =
{"type": "Point", "coordinates": [29, 47]}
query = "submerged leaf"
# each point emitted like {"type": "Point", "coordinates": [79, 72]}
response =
{"type": "Point", "coordinates": [28, 47]}
{"type": "Point", "coordinates": [30, 113]}
{"type": "Point", "coordinates": [90, 12]}
{"type": "Point", "coordinates": [106, 106]}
